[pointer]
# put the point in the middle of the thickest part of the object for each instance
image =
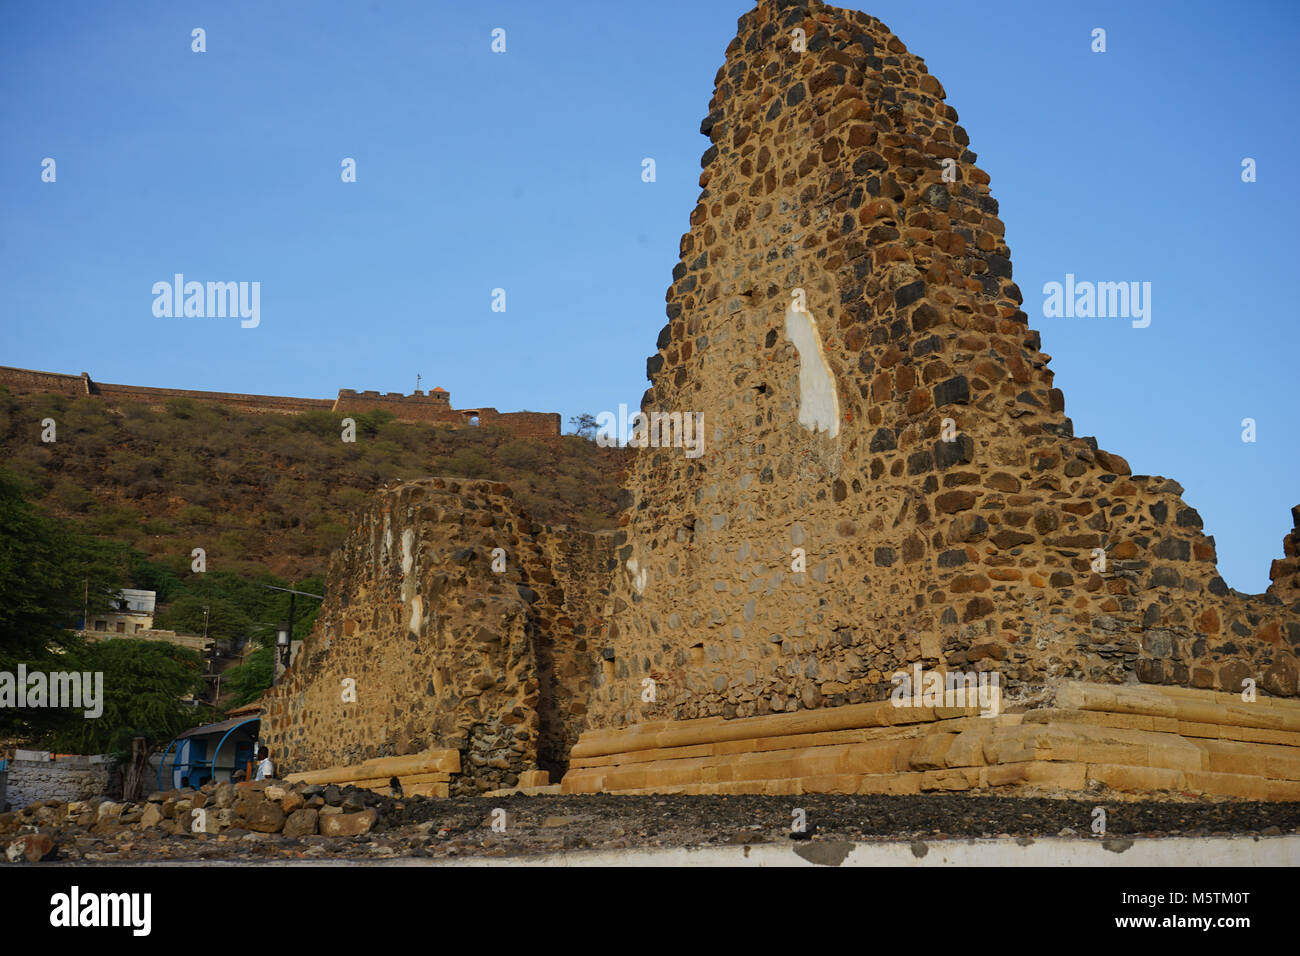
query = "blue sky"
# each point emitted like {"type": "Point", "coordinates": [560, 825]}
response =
{"type": "Point", "coordinates": [522, 171]}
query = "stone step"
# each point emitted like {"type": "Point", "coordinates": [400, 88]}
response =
{"type": "Point", "coordinates": [444, 761]}
{"type": "Point", "coordinates": [1137, 747]}
{"type": "Point", "coordinates": [683, 733]}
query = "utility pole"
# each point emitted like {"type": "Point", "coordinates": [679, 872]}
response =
{"type": "Point", "coordinates": [284, 633]}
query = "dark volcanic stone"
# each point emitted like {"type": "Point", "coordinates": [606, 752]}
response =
{"type": "Point", "coordinates": [956, 389]}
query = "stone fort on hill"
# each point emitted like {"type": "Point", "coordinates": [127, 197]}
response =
{"type": "Point", "coordinates": [433, 406]}
{"type": "Point", "coordinates": [889, 485]}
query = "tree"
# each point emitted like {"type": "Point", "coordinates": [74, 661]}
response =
{"type": "Point", "coordinates": [584, 425]}
{"type": "Point", "coordinates": [251, 679]}
{"type": "Point", "coordinates": [226, 620]}
{"type": "Point", "coordinates": [143, 683]}
{"type": "Point", "coordinates": [48, 570]}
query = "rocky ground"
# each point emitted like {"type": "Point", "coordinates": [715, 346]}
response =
{"type": "Point", "coordinates": [282, 822]}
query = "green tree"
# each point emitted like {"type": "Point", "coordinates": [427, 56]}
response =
{"type": "Point", "coordinates": [226, 619]}
{"type": "Point", "coordinates": [369, 423]}
{"type": "Point", "coordinates": [250, 680]}
{"type": "Point", "coordinates": [143, 686]}
{"type": "Point", "coordinates": [48, 570]}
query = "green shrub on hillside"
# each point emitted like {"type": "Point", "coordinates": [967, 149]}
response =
{"type": "Point", "coordinates": [269, 490]}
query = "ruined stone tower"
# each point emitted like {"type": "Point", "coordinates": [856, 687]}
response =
{"type": "Point", "coordinates": [888, 483]}
{"type": "Point", "coordinates": [878, 411]}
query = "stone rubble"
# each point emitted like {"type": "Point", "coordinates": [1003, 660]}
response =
{"type": "Point", "coordinates": [451, 828]}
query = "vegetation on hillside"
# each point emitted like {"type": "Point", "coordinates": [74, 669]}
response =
{"type": "Point", "coordinates": [51, 570]}
{"type": "Point", "coordinates": [269, 493]}
{"type": "Point", "coordinates": [124, 495]}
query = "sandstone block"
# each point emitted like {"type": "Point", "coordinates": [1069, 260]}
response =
{"type": "Point", "coordinates": [1138, 779]}
{"type": "Point", "coordinates": [264, 817]}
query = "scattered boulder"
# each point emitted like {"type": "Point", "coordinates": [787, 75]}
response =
{"type": "Point", "coordinates": [152, 815]}
{"type": "Point", "coordinates": [300, 823]}
{"type": "Point", "coordinates": [265, 817]}
{"type": "Point", "coordinates": [348, 824]}
{"type": "Point", "coordinates": [30, 848]}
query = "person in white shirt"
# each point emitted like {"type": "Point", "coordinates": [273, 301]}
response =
{"type": "Point", "coordinates": [265, 769]}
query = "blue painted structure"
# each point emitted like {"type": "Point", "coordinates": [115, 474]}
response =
{"type": "Point", "coordinates": [213, 751]}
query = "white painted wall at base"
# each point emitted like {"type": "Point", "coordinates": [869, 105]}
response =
{"type": "Point", "coordinates": [33, 776]}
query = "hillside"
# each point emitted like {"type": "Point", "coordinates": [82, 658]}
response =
{"type": "Point", "coordinates": [268, 492]}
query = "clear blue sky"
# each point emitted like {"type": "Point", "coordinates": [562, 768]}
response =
{"type": "Point", "coordinates": [522, 170]}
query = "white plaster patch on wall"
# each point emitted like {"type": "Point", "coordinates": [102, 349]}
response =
{"type": "Point", "coordinates": [408, 554]}
{"type": "Point", "coordinates": [819, 401]}
{"type": "Point", "coordinates": [417, 615]}
{"type": "Point", "coordinates": [638, 575]}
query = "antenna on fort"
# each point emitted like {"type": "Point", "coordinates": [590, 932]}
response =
{"type": "Point", "coordinates": [417, 381]}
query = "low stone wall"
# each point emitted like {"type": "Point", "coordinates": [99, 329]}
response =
{"type": "Point", "coordinates": [158, 397]}
{"type": "Point", "coordinates": [535, 426]}
{"type": "Point", "coordinates": [193, 642]}
{"type": "Point", "coordinates": [30, 380]}
{"type": "Point", "coordinates": [33, 776]}
{"type": "Point", "coordinates": [61, 829]}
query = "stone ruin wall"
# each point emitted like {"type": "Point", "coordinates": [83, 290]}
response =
{"type": "Point", "coordinates": [28, 380]}
{"type": "Point", "coordinates": [445, 652]}
{"type": "Point", "coordinates": [1284, 573]}
{"type": "Point", "coordinates": [581, 565]}
{"type": "Point", "coordinates": [825, 174]}
{"type": "Point", "coordinates": [435, 408]}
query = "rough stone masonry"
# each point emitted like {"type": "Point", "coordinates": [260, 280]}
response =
{"type": "Point", "coordinates": [825, 208]}
{"type": "Point", "coordinates": [450, 620]}
{"type": "Point", "coordinates": [889, 477]}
